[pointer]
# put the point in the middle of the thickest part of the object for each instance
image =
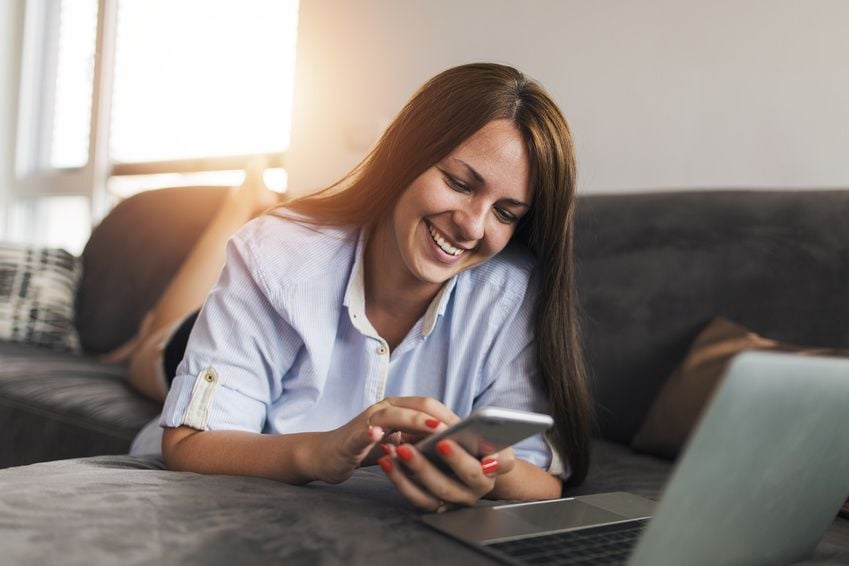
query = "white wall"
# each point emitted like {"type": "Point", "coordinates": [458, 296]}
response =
{"type": "Point", "coordinates": [659, 93]}
{"type": "Point", "coordinates": [11, 24]}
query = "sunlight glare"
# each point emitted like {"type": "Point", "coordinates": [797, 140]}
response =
{"type": "Point", "coordinates": [203, 78]}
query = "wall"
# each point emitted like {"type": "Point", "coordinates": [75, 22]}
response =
{"type": "Point", "coordinates": [659, 93]}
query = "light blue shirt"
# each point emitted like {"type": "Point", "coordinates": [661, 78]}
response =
{"type": "Point", "coordinates": [283, 345]}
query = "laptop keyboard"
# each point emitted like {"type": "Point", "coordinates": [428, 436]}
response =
{"type": "Point", "coordinates": [606, 544]}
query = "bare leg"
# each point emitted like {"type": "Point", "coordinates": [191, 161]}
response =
{"type": "Point", "coordinates": [189, 287]}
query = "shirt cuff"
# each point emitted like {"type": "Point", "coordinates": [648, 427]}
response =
{"type": "Point", "coordinates": [205, 403]}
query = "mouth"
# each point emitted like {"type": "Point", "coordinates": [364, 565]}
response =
{"type": "Point", "coordinates": [443, 244]}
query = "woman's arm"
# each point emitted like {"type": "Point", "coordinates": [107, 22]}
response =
{"type": "Point", "coordinates": [526, 481]}
{"type": "Point", "coordinates": [289, 458]}
{"type": "Point", "coordinates": [330, 456]}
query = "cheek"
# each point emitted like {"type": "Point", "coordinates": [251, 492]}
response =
{"type": "Point", "coordinates": [498, 238]}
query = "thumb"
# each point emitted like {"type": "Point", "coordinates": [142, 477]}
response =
{"type": "Point", "coordinates": [362, 441]}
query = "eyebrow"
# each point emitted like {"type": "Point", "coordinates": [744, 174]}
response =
{"type": "Point", "coordinates": [479, 178]}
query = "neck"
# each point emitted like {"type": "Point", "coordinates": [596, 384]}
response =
{"type": "Point", "coordinates": [395, 299]}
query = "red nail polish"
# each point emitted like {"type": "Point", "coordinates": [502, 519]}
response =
{"type": "Point", "coordinates": [444, 448]}
{"type": "Point", "coordinates": [489, 465]}
{"type": "Point", "coordinates": [404, 452]}
{"type": "Point", "coordinates": [385, 464]}
{"type": "Point", "coordinates": [386, 449]}
{"type": "Point", "coordinates": [432, 423]}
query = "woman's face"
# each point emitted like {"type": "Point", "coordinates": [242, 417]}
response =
{"type": "Point", "coordinates": [463, 210]}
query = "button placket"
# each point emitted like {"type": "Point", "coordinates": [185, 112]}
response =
{"type": "Point", "coordinates": [382, 362]}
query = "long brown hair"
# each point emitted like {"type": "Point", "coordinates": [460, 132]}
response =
{"type": "Point", "coordinates": [446, 111]}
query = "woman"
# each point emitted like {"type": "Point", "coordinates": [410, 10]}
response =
{"type": "Point", "coordinates": [396, 302]}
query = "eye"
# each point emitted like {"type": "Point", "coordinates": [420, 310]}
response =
{"type": "Point", "coordinates": [455, 183]}
{"type": "Point", "coordinates": [505, 215]}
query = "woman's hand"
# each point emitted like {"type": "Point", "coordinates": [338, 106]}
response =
{"type": "Point", "coordinates": [336, 454]}
{"type": "Point", "coordinates": [431, 489]}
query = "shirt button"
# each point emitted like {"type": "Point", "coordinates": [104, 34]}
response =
{"type": "Point", "coordinates": [381, 350]}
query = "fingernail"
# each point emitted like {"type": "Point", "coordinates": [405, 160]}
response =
{"type": "Point", "coordinates": [404, 452]}
{"type": "Point", "coordinates": [489, 465]}
{"type": "Point", "coordinates": [386, 449]}
{"type": "Point", "coordinates": [432, 423]}
{"type": "Point", "coordinates": [444, 448]}
{"type": "Point", "coordinates": [385, 464]}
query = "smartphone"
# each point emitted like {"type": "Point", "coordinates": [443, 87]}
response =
{"type": "Point", "coordinates": [487, 431]}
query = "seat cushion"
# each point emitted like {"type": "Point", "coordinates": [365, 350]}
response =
{"type": "Point", "coordinates": [57, 405]}
{"type": "Point", "coordinates": [121, 509]}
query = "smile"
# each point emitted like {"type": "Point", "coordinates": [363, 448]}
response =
{"type": "Point", "coordinates": [442, 243]}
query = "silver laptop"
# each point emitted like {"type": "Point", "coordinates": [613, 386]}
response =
{"type": "Point", "coordinates": [759, 482]}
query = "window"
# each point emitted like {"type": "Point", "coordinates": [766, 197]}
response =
{"type": "Point", "coordinates": [119, 96]}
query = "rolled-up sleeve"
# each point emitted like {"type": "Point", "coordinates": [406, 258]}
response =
{"type": "Point", "coordinates": [238, 350]}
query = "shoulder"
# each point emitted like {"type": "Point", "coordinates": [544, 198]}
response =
{"type": "Point", "coordinates": [501, 292]}
{"type": "Point", "coordinates": [295, 249]}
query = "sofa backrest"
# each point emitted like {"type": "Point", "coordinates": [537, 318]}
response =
{"type": "Point", "coordinates": [653, 269]}
{"type": "Point", "coordinates": [132, 255]}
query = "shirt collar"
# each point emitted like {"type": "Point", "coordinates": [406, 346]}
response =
{"type": "Point", "coordinates": [355, 296]}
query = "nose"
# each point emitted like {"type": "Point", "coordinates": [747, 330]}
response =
{"type": "Point", "coordinates": [471, 221]}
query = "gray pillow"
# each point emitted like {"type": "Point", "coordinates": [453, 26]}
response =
{"type": "Point", "coordinates": [37, 290]}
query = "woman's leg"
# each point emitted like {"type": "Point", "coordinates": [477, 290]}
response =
{"type": "Point", "coordinates": [199, 272]}
{"type": "Point", "coordinates": [189, 287]}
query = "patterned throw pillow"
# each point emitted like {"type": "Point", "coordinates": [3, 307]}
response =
{"type": "Point", "coordinates": [37, 290]}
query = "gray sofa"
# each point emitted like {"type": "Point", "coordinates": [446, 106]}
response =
{"type": "Point", "coordinates": [652, 270]}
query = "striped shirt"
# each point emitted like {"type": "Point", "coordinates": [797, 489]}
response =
{"type": "Point", "coordinates": [283, 344]}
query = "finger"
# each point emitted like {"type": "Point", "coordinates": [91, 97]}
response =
{"type": "Point", "coordinates": [363, 439]}
{"type": "Point", "coordinates": [468, 469]}
{"type": "Point", "coordinates": [439, 484]}
{"type": "Point", "coordinates": [409, 489]}
{"type": "Point", "coordinates": [403, 419]}
{"type": "Point", "coordinates": [427, 405]}
{"type": "Point", "coordinates": [499, 463]}
{"type": "Point", "coordinates": [409, 438]}
{"type": "Point", "coordinates": [378, 450]}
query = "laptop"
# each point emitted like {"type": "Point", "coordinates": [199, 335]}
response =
{"type": "Point", "coordinates": [759, 482]}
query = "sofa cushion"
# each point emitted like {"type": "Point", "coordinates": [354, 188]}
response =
{"type": "Point", "coordinates": [37, 289]}
{"type": "Point", "coordinates": [675, 412]}
{"type": "Point", "coordinates": [120, 509]}
{"type": "Point", "coordinates": [56, 405]}
{"type": "Point", "coordinates": [132, 255]}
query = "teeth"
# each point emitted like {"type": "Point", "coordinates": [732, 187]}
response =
{"type": "Point", "coordinates": [443, 245]}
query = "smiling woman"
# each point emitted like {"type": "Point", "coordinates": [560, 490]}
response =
{"type": "Point", "coordinates": [433, 280]}
{"type": "Point", "coordinates": [463, 210]}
